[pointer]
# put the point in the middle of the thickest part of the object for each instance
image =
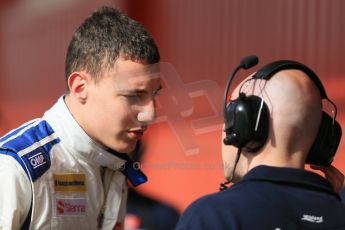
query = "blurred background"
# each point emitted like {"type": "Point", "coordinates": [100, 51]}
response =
{"type": "Point", "coordinates": [203, 40]}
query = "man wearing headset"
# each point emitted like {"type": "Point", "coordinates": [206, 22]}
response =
{"type": "Point", "coordinates": [272, 189]}
{"type": "Point", "coordinates": [68, 169]}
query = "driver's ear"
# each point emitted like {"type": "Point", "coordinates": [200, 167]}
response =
{"type": "Point", "coordinates": [78, 85]}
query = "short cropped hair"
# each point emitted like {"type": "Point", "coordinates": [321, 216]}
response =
{"type": "Point", "coordinates": [105, 36]}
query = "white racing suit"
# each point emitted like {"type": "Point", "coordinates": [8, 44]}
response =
{"type": "Point", "coordinates": [54, 176]}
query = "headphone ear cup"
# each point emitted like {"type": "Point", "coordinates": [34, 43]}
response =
{"type": "Point", "coordinates": [258, 123]}
{"type": "Point", "coordinates": [326, 142]}
{"type": "Point", "coordinates": [229, 120]}
{"type": "Point", "coordinates": [237, 122]}
{"type": "Point", "coordinates": [241, 118]}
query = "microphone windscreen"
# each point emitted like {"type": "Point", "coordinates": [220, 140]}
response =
{"type": "Point", "coordinates": [249, 61]}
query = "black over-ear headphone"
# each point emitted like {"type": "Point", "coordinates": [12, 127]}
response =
{"type": "Point", "coordinates": [247, 117]}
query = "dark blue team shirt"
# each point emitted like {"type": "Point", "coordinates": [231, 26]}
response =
{"type": "Point", "coordinates": [269, 198]}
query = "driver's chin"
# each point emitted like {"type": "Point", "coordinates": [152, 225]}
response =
{"type": "Point", "coordinates": [125, 147]}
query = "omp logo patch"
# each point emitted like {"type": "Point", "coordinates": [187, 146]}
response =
{"type": "Point", "coordinates": [69, 182]}
{"type": "Point", "coordinates": [37, 160]}
{"type": "Point", "coordinates": [70, 206]}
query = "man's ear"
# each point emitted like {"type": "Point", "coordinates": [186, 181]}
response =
{"type": "Point", "coordinates": [77, 83]}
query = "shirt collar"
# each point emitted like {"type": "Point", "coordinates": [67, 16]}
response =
{"type": "Point", "coordinates": [289, 176]}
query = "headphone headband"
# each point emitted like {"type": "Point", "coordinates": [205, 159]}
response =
{"type": "Point", "coordinates": [269, 70]}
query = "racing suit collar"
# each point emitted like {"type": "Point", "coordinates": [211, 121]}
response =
{"type": "Point", "coordinates": [82, 145]}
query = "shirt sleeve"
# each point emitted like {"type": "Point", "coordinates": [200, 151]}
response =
{"type": "Point", "coordinates": [15, 194]}
{"type": "Point", "coordinates": [190, 219]}
{"type": "Point", "coordinates": [200, 215]}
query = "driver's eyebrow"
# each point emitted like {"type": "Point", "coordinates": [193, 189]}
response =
{"type": "Point", "coordinates": [134, 91]}
{"type": "Point", "coordinates": [139, 91]}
